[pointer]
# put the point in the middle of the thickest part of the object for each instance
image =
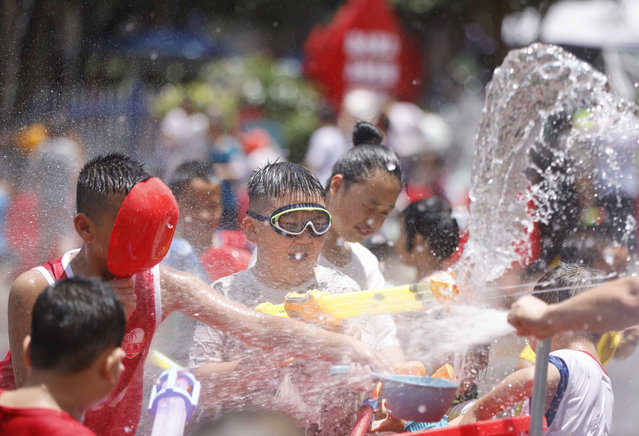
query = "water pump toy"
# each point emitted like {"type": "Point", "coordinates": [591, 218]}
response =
{"type": "Point", "coordinates": [173, 399]}
{"type": "Point", "coordinates": [143, 229]}
{"type": "Point", "coordinates": [324, 308]}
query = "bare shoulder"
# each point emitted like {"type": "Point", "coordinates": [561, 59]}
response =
{"type": "Point", "coordinates": [26, 288]}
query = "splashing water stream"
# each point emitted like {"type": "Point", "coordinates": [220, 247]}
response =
{"type": "Point", "coordinates": [550, 125]}
{"type": "Point", "coordinates": [553, 140]}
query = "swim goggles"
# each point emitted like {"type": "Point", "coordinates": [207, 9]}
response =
{"type": "Point", "coordinates": [290, 221]}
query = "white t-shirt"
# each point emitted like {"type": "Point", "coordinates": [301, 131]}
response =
{"type": "Point", "coordinates": [303, 390]}
{"type": "Point", "coordinates": [378, 330]}
{"type": "Point", "coordinates": [584, 400]}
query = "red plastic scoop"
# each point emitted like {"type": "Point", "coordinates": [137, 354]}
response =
{"type": "Point", "coordinates": [143, 229]}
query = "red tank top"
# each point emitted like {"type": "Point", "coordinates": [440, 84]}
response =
{"type": "Point", "coordinates": [119, 413]}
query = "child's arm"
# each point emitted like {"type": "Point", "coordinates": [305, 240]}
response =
{"type": "Point", "coordinates": [22, 296]}
{"type": "Point", "coordinates": [611, 306]}
{"type": "Point", "coordinates": [510, 391]}
{"type": "Point", "coordinates": [225, 381]}
{"type": "Point", "coordinates": [188, 294]}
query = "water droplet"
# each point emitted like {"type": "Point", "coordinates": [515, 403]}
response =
{"type": "Point", "coordinates": [340, 241]}
{"type": "Point", "coordinates": [169, 225]}
{"type": "Point", "coordinates": [391, 167]}
{"type": "Point", "coordinates": [420, 248]}
{"type": "Point", "coordinates": [154, 55]}
{"type": "Point", "coordinates": [636, 84]}
{"type": "Point", "coordinates": [370, 221]}
{"type": "Point", "coordinates": [188, 219]}
{"type": "Point", "coordinates": [128, 429]}
{"type": "Point", "coordinates": [421, 408]}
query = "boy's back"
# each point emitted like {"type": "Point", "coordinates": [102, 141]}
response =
{"type": "Point", "coordinates": [584, 399]}
{"type": "Point", "coordinates": [39, 421]}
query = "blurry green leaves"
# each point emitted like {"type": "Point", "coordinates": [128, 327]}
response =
{"type": "Point", "coordinates": [274, 85]}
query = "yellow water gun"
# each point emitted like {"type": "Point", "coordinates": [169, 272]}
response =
{"type": "Point", "coordinates": [324, 308]}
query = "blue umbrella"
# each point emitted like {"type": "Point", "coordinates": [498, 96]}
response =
{"type": "Point", "coordinates": [167, 42]}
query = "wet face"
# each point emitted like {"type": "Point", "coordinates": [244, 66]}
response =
{"type": "Point", "coordinates": [200, 211]}
{"type": "Point", "coordinates": [359, 209]}
{"type": "Point", "coordinates": [289, 260]}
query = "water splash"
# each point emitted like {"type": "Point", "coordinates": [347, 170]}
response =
{"type": "Point", "coordinates": [547, 123]}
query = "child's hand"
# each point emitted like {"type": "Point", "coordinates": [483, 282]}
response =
{"type": "Point", "coordinates": [527, 315]}
{"type": "Point", "coordinates": [126, 291]}
{"type": "Point", "coordinates": [387, 422]}
{"type": "Point", "coordinates": [359, 378]}
{"type": "Point", "coordinates": [353, 330]}
{"type": "Point", "coordinates": [359, 352]}
{"type": "Point", "coordinates": [629, 340]}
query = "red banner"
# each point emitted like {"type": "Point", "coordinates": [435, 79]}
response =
{"type": "Point", "coordinates": [364, 47]}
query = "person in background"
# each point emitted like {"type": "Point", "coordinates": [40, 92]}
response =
{"type": "Point", "coordinates": [229, 164]}
{"type": "Point", "coordinates": [428, 236]}
{"type": "Point", "coordinates": [196, 248]}
{"type": "Point", "coordinates": [183, 137]}
{"type": "Point", "coordinates": [332, 139]}
{"type": "Point", "coordinates": [361, 192]}
{"type": "Point", "coordinates": [200, 246]}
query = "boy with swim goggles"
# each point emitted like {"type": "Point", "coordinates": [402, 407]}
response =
{"type": "Point", "coordinates": [293, 219]}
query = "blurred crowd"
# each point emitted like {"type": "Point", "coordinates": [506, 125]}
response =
{"type": "Point", "coordinates": [40, 162]}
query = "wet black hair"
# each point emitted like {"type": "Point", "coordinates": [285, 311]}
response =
{"type": "Point", "coordinates": [551, 169]}
{"type": "Point", "coordinates": [189, 170]}
{"type": "Point", "coordinates": [564, 281]}
{"type": "Point", "coordinates": [114, 173]}
{"type": "Point", "coordinates": [73, 322]}
{"type": "Point", "coordinates": [367, 156]}
{"type": "Point", "coordinates": [432, 218]}
{"type": "Point", "coordinates": [280, 179]}
{"type": "Point", "coordinates": [366, 133]}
